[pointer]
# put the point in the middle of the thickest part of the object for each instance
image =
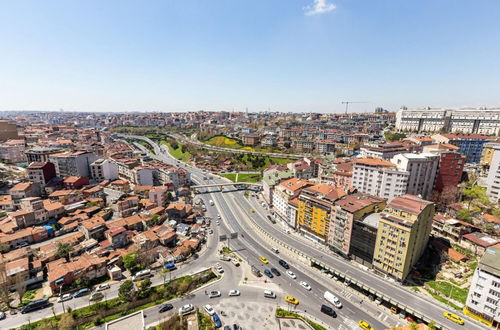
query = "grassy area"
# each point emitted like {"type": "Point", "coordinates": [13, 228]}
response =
{"type": "Point", "coordinates": [244, 177]}
{"type": "Point", "coordinates": [225, 142]}
{"type": "Point", "coordinates": [449, 289]}
{"type": "Point", "coordinates": [280, 312]}
{"type": "Point", "coordinates": [177, 153]}
{"type": "Point", "coordinates": [205, 322]}
{"type": "Point", "coordinates": [146, 145]}
{"type": "Point", "coordinates": [443, 300]}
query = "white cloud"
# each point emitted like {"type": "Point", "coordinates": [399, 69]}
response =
{"type": "Point", "coordinates": [319, 7]}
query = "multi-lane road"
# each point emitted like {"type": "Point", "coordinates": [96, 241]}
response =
{"type": "Point", "coordinates": [230, 206]}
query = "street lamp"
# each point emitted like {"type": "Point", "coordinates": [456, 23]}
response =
{"type": "Point", "coordinates": [60, 297]}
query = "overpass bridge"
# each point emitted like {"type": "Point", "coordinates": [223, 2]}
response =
{"type": "Point", "coordinates": [221, 185]}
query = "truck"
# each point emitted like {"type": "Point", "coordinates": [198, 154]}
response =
{"type": "Point", "coordinates": [332, 299]}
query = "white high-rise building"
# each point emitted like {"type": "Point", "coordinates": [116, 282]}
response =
{"type": "Point", "coordinates": [379, 178]}
{"type": "Point", "coordinates": [103, 169]}
{"type": "Point", "coordinates": [484, 293]}
{"type": "Point", "coordinates": [422, 169]}
{"type": "Point", "coordinates": [493, 179]}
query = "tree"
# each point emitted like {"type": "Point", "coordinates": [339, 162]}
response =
{"type": "Point", "coordinates": [20, 286]}
{"type": "Point", "coordinates": [432, 325]}
{"type": "Point", "coordinates": [489, 228]}
{"type": "Point", "coordinates": [164, 273]}
{"type": "Point", "coordinates": [126, 290]}
{"type": "Point", "coordinates": [155, 218]}
{"type": "Point", "coordinates": [464, 215]}
{"type": "Point", "coordinates": [473, 192]}
{"type": "Point", "coordinates": [496, 212]}
{"type": "Point", "coordinates": [144, 287]}
{"type": "Point", "coordinates": [130, 261]}
{"type": "Point", "coordinates": [64, 250]}
{"type": "Point", "coordinates": [4, 283]}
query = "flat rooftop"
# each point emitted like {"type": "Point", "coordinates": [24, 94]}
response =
{"type": "Point", "coordinates": [134, 321]}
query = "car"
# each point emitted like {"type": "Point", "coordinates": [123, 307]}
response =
{"type": "Point", "coordinates": [305, 285]}
{"type": "Point", "coordinates": [209, 309]}
{"type": "Point", "coordinates": [186, 309]}
{"type": "Point", "coordinates": [378, 301]}
{"type": "Point", "coordinates": [210, 231]}
{"type": "Point", "coordinates": [233, 293]}
{"type": "Point", "coordinates": [453, 317]}
{"type": "Point", "coordinates": [103, 286]}
{"type": "Point", "coordinates": [65, 297]}
{"type": "Point", "coordinates": [410, 319]}
{"type": "Point", "coordinates": [214, 294]}
{"type": "Point", "coordinates": [165, 308]}
{"type": "Point", "coordinates": [269, 294]}
{"type": "Point", "coordinates": [328, 310]}
{"type": "Point", "coordinates": [227, 327]}
{"type": "Point", "coordinates": [236, 327]}
{"type": "Point", "coordinates": [235, 262]}
{"type": "Point", "coordinates": [275, 250]}
{"type": "Point", "coordinates": [96, 296]}
{"type": "Point", "coordinates": [364, 325]}
{"type": "Point", "coordinates": [218, 216]}
{"type": "Point", "coordinates": [217, 222]}
{"type": "Point", "coordinates": [268, 273]}
{"type": "Point", "coordinates": [264, 260]}
{"type": "Point", "coordinates": [284, 264]}
{"type": "Point", "coordinates": [291, 274]}
{"type": "Point", "coordinates": [81, 293]}
{"type": "Point", "coordinates": [217, 322]}
{"type": "Point", "coordinates": [275, 271]}
{"type": "Point", "coordinates": [291, 300]}
{"type": "Point", "coordinates": [2, 315]}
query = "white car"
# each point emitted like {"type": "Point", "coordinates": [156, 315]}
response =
{"type": "Point", "coordinates": [217, 222]}
{"type": "Point", "coordinates": [305, 285]}
{"type": "Point", "coordinates": [65, 297]}
{"type": "Point", "coordinates": [102, 287]}
{"type": "Point", "coordinates": [291, 274]}
{"type": "Point", "coordinates": [186, 309]}
{"type": "Point", "coordinates": [210, 311]}
{"type": "Point", "coordinates": [214, 294]}
{"type": "Point", "coordinates": [220, 269]}
{"type": "Point", "coordinates": [233, 293]}
{"type": "Point", "coordinates": [218, 216]}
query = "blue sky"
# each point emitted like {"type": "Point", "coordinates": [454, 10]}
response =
{"type": "Point", "coordinates": [286, 55]}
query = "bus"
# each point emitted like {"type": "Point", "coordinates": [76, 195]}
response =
{"type": "Point", "coordinates": [35, 305]}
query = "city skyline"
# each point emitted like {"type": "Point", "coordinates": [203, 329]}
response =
{"type": "Point", "coordinates": [301, 56]}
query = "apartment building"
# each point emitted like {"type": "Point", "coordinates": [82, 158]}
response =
{"type": "Point", "coordinates": [325, 146]}
{"type": "Point", "coordinates": [487, 154]}
{"type": "Point", "coordinates": [103, 169]}
{"type": "Point", "coordinates": [285, 191]}
{"type": "Point", "coordinates": [421, 169]}
{"type": "Point", "coordinates": [378, 177]}
{"type": "Point", "coordinates": [346, 210]}
{"type": "Point", "coordinates": [476, 121]}
{"type": "Point", "coordinates": [484, 293]}
{"type": "Point", "coordinates": [470, 145]}
{"type": "Point", "coordinates": [315, 204]}
{"type": "Point", "coordinates": [40, 154]}
{"type": "Point", "coordinates": [41, 173]}
{"type": "Point", "coordinates": [451, 165]}
{"type": "Point", "coordinates": [403, 232]}
{"type": "Point", "coordinates": [74, 163]}
{"type": "Point", "coordinates": [493, 179]}
{"type": "Point", "coordinates": [12, 151]}
{"type": "Point", "coordinates": [382, 151]}
{"type": "Point", "coordinates": [364, 238]}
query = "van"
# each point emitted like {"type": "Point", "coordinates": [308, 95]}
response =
{"type": "Point", "coordinates": [332, 299]}
{"type": "Point", "coordinates": [275, 250]}
{"type": "Point", "coordinates": [269, 294]}
{"type": "Point", "coordinates": [141, 274]}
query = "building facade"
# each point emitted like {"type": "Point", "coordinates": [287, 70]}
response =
{"type": "Point", "coordinates": [484, 293]}
{"type": "Point", "coordinates": [421, 169]}
{"type": "Point", "coordinates": [103, 169]}
{"type": "Point", "coordinates": [403, 233]}
{"type": "Point", "coordinates": [41, 173]}
{"type": "Point", "coordinates": [75, 163]}
{"type": "Point", "coordinates": [476, 121]}
{"type": "Point", "coordinates": [7, 131]}
{"type": "Point", "coordinates": [379, 178]}
{"type": "Point", "coordinates": [493, 179]}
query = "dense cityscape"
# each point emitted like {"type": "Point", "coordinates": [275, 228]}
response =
{"type": "Point", "coordinates": [378, 220]}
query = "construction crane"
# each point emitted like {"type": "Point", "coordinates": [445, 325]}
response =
{"type": "Point", "coordinates": [347, 104]}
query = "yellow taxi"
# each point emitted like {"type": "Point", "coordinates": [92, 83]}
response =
{"type": "Point", "coordinates": [453, 317]}
{"type": "Point", "coordinates": [365, 325]}
{"type": "Point", "coordinates": [291, 300]}
{"type": "Point", "coordinates": [264, 260]}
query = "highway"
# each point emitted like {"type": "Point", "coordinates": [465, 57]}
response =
{"type": "Point", "coordinates": [430, 309]}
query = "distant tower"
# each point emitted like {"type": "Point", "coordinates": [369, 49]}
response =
{"type": "Point", "coordinates": [246, 112]}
